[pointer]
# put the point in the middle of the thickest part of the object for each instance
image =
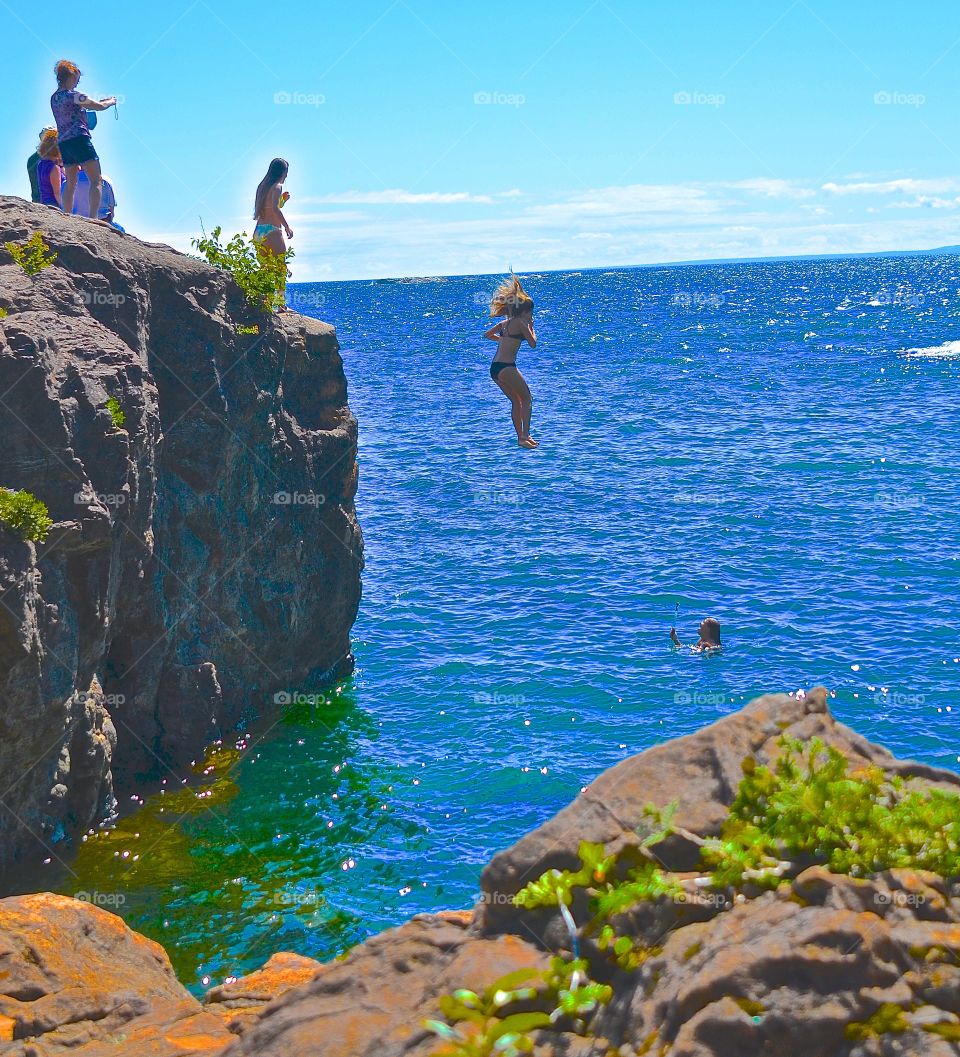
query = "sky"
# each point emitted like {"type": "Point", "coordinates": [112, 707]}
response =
{"type": "Point", "coordinates": [428, 137]}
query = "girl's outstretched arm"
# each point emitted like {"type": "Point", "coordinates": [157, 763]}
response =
{"type": "Point", "coordinates": [674, 637]}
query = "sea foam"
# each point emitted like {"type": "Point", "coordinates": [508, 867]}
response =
{"type": "Point", "coordinates": [950, 350]}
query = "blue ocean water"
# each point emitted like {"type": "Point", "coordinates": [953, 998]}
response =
{"type": "Point", "coordinates": [755, 442]}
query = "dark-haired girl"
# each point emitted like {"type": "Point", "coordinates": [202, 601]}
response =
{"type": "Point", "coordinates": [268, 209]}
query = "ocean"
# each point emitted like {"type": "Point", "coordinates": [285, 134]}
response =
{"type": "Point", "coordinates": [773, 444]}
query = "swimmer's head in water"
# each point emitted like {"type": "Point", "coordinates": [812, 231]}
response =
{"type": "Point", "coordinates": [68, 73]}
{"type": "Point", "coordinates": [710, 630]}
{"type": "Point", "coordinates": [510, 299]}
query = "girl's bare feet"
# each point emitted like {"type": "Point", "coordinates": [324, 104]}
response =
{"type": "Point", "coordinates": [526, 442]}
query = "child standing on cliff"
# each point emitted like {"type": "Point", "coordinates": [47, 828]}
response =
{"type": "Point", "coordinates": [709, 641]}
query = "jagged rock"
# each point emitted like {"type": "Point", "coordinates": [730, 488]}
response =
{"type": "Point", "coordinates": [177, 579]}
{"type": "Point", "coordinates": [74, 979]}
{"type": "Point", "coordinates": [701, 772]}
{"type": "Point", "coordinates": [373, 1002]}
{"type": "Point", "coordinates": [240, 1003]}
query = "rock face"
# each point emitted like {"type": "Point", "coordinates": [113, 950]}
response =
{"type": "Point", "coordinates": [825, 966]}
{"type": "Point", "coordinates": [205, 556]}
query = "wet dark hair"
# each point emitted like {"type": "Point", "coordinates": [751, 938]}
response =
{"type": "Point", "coordinates": [276, 173]}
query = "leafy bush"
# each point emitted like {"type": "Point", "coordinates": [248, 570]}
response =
{"type": "Point", "coordinates": [116, 412]}
{"type": "Point", "coordinates": [25, 514]}
{"type": "Point", "coordinates": [260, 274]}
{"type": "Point", "coordinates": [3, 313]}
{"type": "Point", "coordinates": [812, 810]}
{"type": "Point", "coordinates": [33, 255]}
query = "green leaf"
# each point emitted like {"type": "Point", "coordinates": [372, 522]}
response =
{"type": "Point", "coordinates": [520, 1024]}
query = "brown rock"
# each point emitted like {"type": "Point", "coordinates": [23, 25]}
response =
{"type": "Point", "coordinates": [700, 771]}
{"type": "Point", "coordinates": [74, 978]}
{"type": "Point", "coordinates": [240, 1003]}
{"type": "Point", "coordinates": [372, 1003]}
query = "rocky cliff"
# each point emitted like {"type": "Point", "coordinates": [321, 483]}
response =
{"type": "Point", "coordinates": [205, 556]}
{"type": "Point", "coordinates": [823, 965]}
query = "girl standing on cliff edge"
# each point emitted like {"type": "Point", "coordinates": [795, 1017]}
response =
{"type": "Point", "coordinates": [267, 211]}
{"type": "Point", "coordinates": [511, 300]}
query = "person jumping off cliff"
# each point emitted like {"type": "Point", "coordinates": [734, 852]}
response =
{"type": "Point", "coordinates": [709, 641]}
{"type": "Point", "coordinates": [512, 301]}
{"type": "Point", "coordinates": [73, 132]}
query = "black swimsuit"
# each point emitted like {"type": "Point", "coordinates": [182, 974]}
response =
{"type": "Point", "coordinates": [498, 365]}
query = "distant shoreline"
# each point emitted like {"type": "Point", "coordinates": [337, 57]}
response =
{"type": "Point", "coordinates": [704, 263]}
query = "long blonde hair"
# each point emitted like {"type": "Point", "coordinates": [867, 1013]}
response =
{"type": "Point", "coordinates": [510, 299]}
{"type": "Point", "coordinates": [49, 148]}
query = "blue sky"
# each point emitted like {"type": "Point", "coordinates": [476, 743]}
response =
{"type": "Point", "coordinates": [429, 137]}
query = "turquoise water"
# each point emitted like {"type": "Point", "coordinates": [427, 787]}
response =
{"type": "Point", "coordinates": [753, 442]}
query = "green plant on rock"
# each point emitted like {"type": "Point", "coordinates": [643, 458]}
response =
{"type": "Point", "coordinates": [25, 514]}
{"type": "Point", "coordinates": [809, 809]}
{"type": "Point", "coordinates": [888, 1019]}
{"type": "Point", "coordinates": [116, 413]}
{"type": "Point", "coordinates": [260, 274]}
{"type": "Point", "coordinates": [475, 1027]}
{"type": "Point", "coordinates": [3, 313]}
{"type": "Point", "coordinates": [33, 255]}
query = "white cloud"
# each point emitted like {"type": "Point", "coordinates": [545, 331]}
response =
{"type": "Point", "coordinates": [890, 187]}
{"type": "Point", "coordinates": [769, 188]}
{"type": "Point", "coordinates": [395, 196]}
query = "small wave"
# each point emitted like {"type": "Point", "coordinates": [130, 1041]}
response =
{"type": "Point", "coordinates": [950, 350]}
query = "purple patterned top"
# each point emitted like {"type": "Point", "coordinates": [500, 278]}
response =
{"type": "Point", "coordinates": [69, 115]}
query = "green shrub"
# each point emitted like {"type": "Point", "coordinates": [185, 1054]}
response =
{"type": "Point", "coordinates": [3, 313]}
{"type": "Point", "coordinates": [116, 413]}
{"type": "Point", "coordinates": [33, 255]}
{"type": "Point", "coordinates": [261, 275]}
{"type": "Point", "coordinates": [25, 514]}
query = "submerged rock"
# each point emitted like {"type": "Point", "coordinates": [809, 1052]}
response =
{"type": "Point", "coordinates": [205, 556]}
